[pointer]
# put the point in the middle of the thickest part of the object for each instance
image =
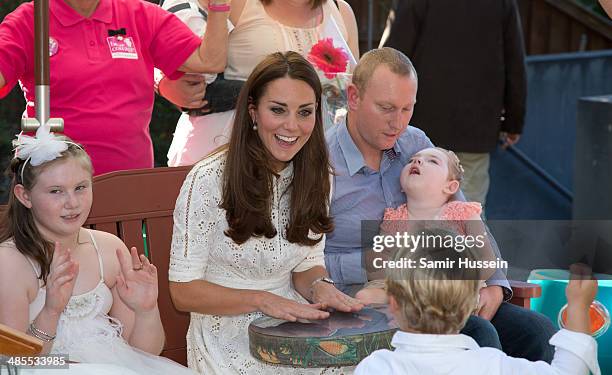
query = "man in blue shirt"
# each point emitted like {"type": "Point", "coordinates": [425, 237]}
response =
{"type": "Point", "coordinates": [368, 154]}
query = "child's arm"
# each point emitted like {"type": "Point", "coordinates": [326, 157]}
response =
{"type": "Point", "coordinates": [17, 276]}
{"type": "Point", "coordinates": [576, 350]}
{"type": "Point", "coordinates": [580, 292]}
{"type": "Point", "coordinates": [135, 298]}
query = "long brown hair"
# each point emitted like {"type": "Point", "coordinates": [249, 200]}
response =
{"type": "Point", "coordinates": [18, 223]}
{"type": "Point", "coordinates": [248, 175]}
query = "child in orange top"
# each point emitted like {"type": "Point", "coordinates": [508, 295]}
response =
{"type": "Point", "coordinates": [430, 180]}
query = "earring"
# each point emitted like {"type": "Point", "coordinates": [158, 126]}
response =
{"type": "Point", "coordinates": [254, 125]}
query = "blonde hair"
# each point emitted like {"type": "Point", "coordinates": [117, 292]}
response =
{"type": "Point", "coordinates": [455, 169]}
{"type": "Point", "coordinates": [434, 300]}
{"type": "Point", "coordinates": [395, 60]}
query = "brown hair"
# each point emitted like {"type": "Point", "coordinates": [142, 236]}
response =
{"type": "Point", "coordinates": [395, 60]}
{"type": "Point", "coordinates": [314, 3]}
{"type": "Point", "coordinates": [248, 174]}
{"type": "Point", "coordinates": [17, 221]}
{"type": "Point", "coordinates": [434, 300]}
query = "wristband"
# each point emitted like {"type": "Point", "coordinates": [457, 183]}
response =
{"type": "Point", "coordinates": [218, 7]}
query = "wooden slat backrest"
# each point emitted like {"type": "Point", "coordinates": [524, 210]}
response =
{"type": "Point", "coordinates": [127, 202]}
{"type": "Point", "coordinates": [17, 343]}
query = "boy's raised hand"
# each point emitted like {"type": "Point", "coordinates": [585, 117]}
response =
{"type": "Point", "coordinates": [580, 292]}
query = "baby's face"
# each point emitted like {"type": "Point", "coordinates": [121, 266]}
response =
{"type": "Point", "coordinates": [427, 170]}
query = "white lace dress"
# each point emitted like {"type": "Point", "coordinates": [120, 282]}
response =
{"type": "Point", "coordinates": [219, 345]}
{"type": "Point", "coordinates": [88, 334]}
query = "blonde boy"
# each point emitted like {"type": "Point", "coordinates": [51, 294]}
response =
{"type": "Point", "coordinates": [431, 305]}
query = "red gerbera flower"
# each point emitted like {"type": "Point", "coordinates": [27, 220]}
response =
{"type": "Point", "coordinates": [327, 58]}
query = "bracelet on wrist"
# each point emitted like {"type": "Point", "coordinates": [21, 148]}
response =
{"type": "Point", "coordinates": [39, 334]}
{"type": "Point", "coordinates": [218, 7]}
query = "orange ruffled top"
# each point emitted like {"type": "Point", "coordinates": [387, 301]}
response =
{"type": "Point", "coordinates": [454, 213]}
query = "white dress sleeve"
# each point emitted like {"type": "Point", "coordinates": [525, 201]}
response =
{"type": "Point", "coordinates": [195, 216]}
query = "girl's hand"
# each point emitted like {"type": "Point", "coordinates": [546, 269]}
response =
{"type": "Point", "coordinates": [60, 282]}
{"type": "Point", "coordinates": [283, 308]}
{"type": "Point", "coordinates": [330, 297]}
{"type": "Point", "coordinates": [137, 281]}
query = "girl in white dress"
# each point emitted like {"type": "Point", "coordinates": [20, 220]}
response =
{"type": "Point", "coordinates": [81, 291]}
{"type": "Point", "coordinates": [261, 27]}
{"type": "Point", "coordinates": [250, 224]}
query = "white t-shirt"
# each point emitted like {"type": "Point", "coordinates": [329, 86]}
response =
{"type": "Point", "coordinates": [575, 354]}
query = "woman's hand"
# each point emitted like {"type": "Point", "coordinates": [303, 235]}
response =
{"type": "Point", "coordinates": [283, 308]}
{"type": "Point", "coordinates": [330, 297]}
{"type": "Point", "coordinates": [60, 282]}
{"type": "Point", "coordinates": [137, 281]}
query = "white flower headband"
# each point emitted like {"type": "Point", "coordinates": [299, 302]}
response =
{"type": "Point", "coordinates": [43, 147]}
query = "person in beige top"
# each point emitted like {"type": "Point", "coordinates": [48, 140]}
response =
{"type": "Point", "coordinates": [261, 27]}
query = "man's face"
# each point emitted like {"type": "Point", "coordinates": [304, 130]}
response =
{"type": "Point", "coordinates": [382, 110]}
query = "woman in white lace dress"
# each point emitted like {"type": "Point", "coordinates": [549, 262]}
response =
{"type": "Point", "coordinates": [250, 223]}
{"type": "Point", "coordinates": [261, 27]}
{"type": "Point", "coordinates": [80, 291]}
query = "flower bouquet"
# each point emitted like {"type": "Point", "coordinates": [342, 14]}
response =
{"type": "Point", "coordinates": [332, 64]}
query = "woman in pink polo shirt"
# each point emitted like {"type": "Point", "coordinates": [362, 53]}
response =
{"type": "Point", "coordinates": [102, 55]}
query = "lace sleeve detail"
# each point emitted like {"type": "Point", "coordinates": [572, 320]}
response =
{"type": "Point", "coordinates": [195, 216]}
{"type": "Point", "coordinates": [314, 256]}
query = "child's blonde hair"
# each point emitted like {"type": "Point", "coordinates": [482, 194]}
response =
{"type": "Point", "coordinates": [455, 169]}
{"type": "Point", "coordinates": [434, 300]}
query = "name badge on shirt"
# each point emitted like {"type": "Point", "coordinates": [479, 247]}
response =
{"type": "Point", "coordinates": [122, 47]}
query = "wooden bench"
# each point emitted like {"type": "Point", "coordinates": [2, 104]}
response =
{"type": "Point", "coordinates": [138, 205]}
{"type": "Point", "coordinates": [17, 343]}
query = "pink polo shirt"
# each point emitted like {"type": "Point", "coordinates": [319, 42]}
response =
{"type": "Point", "coordinates": [101, 86]}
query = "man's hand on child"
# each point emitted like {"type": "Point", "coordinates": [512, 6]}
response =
{"type": "Point", "coordinates": [491, 297]}
{"type": "Point", "coordinates": [581, 291]}
{"type": "Point", "coordinates": [137, 281]}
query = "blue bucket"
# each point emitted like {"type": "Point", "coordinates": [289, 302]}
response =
{"type": "Point", "coordinates": [552, 301]}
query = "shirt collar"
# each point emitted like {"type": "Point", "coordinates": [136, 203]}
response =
{"type": "Point", "coordinates": [69, 17]}
{"type": "Point", "coordinates": [425, 343]}
{"type": "Point", "coordinates": [352, 155]}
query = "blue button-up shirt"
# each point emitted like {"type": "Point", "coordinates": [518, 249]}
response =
{"type": "Point", "coordinates": [361, 193]}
